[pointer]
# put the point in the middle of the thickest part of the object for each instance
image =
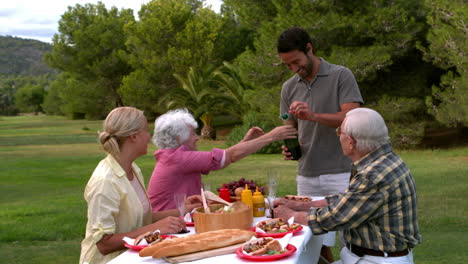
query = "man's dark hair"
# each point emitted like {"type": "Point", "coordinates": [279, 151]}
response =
{"type": "Point", "coordinates": [293, 39]}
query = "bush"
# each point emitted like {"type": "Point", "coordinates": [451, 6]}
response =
{"type": "Point", "coordinates": [405, 118]}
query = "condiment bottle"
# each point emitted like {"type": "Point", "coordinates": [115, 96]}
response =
{"type": "Point", "coordinates": [246, 196]}
{"type": "Point", "coordinates": [292, 143]}
{"type": "Point", "coordinates": [224, 193]}
{"type": "Point", "coordinates": [258, 204]}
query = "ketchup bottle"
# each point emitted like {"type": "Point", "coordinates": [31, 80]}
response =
{"type": "Point", "coordinates": [224, 193]}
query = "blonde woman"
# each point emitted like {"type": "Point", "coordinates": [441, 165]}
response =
{"type": "Point", "coordinates": [118, 205]}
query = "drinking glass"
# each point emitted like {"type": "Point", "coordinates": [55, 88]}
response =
{"type": "Point", "coordinates": [206, 187]}
{"type": "Point", "coordinates": [272, 188]}
{"type": "Point", "coordinates": [179, 199]}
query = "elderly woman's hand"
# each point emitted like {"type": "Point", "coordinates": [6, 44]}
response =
{"type": "Point", "coordinates": [192, 201]}
{"type": "Point", "coordinates": [283, 132]}
{"type": "Point", "coordinates": [253, 133]}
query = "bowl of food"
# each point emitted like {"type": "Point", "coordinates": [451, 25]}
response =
{"type": "Point", "coordinates": [236, 216]}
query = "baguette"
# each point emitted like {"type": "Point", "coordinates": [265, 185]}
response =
{"type": "Point", "coordinates": [148, 251]}
{"type": "Point", "coordinates": [197, 242]}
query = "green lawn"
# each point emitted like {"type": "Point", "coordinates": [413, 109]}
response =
{"type": "Point", "coordinates": [46, 162]}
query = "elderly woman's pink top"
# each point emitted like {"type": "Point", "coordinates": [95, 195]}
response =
{"type": "Point", "coordinates": [178, 170]}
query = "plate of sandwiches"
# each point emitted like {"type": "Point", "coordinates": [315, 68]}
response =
{"type": "Point", "coordinates": [276, 227]}
{"type": "Point", "coordinates": [264, 249]}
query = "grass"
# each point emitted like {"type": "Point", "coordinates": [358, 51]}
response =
{"type": "Point", "coordinates": [46, 162]}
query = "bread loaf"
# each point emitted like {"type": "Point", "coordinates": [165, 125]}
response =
{"type": "Point", "coordinates": [197, 242]}
{"type": "Point", "coordinates": [148, 251]}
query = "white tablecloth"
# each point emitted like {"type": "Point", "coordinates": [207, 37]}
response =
{"type": "Point", "coordinates": [304, 254]}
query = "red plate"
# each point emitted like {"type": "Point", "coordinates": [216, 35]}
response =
{"type": "Point", "coordinates": [138, 248]}
{"type": "Point", "coordinates": [276, 235]}
{"type": "Point", "coordinates": [291, 249]}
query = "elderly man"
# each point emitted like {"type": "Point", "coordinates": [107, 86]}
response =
{"type": "Point", "coordinates": [377, 212]}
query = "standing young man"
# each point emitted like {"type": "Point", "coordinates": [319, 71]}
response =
{"type": "Point", "coordinates": [318, 96]}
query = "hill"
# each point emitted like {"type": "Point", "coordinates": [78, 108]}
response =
{"type": "Point", "coordinates": [23, 56]}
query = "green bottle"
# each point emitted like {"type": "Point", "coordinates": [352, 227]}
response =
{"type": "Point", "coordinates": [292, 143]}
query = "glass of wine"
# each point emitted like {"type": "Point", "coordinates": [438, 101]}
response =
{"type": "Point", "coordinates": [179, 199]}
{"type": "Point", "coordinates": [207, 187]}
{"type": "Point", "coordinates": [272, 188]}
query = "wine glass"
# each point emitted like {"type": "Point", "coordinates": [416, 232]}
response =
{"type": "Point", "coordinates": [272, 187]}
{"type": "Point", "coordinates": [179, 199]}
{"type": "Point", "coordinates": [206, 187]}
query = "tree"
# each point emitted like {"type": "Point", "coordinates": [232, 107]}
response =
{"type": "Point", "coordinates": [448, 46]}
{"type": "Point", "coordinates": [30, 97]}
{"type": "Point", "coordinates": [233, 38]}
{"type": "Point", "coordinates": [170, 37]}
{"type": "Point", "coordinates": [367, 36]}
{"type": "Point", "coordinates": [208, 92]}
{"type": "Point", "coordinates": [252, 14]}
{"type": "Point", "coordinates": [198, 93]}
{"type": "Point", "coordinates": [22, 92]}
{"type": "Point", "coordinates": [7, 96]}
{"type": "Point", "coordinates": [375, 39]}
{"type": "Point", "coordinates": [91, 47]}
{"type": "Point", "coordinates": [231, 84]}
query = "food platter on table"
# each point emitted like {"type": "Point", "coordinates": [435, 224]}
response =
{"type": "Point", "coordinates": [278, 234]}
{"type": "Point", "coordinates": [290, 251]}
{"type": "Point", "coordinates": [140, 247]}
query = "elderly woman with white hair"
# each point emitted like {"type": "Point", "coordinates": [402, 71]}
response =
{"type": "Point", "coordinates": [179, 165]}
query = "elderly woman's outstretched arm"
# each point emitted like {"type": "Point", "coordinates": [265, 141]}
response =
{"type": "Point", "coordinates": [248, 145]}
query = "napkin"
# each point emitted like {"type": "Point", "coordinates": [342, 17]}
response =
{"type": "Point", "coordinates": [131, 241]}
{"type": "Point", "coordinates": [188, 218]}
{"type": "Point", "coordinates": [143, 242]}
{"type": "Point", "coordinates": [284, 241]}
{"type": "Point", "coordinates": [259, 230]}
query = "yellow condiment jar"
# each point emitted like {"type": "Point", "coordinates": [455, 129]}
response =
{"type": "Point", "coordinates": [246, 197]}
{"type": "Point", "coordinates": [258, 204]}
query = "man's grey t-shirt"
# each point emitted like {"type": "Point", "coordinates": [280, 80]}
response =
{"type": "Point", "coordinates": [333, 86]}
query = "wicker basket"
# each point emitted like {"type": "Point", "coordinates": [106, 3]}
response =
{"type": "Point", "coordinates": [240, 217]}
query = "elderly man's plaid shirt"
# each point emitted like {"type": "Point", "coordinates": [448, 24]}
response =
{"type": "Point", "coordinates": [378, 211]}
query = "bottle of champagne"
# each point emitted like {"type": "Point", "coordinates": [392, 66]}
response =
{"type": "Point", "coordinates": [292, 143]}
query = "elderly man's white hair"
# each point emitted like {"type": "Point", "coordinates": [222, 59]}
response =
{"type": "Point", "coordinates": [172, 125]}
{"type": "Point", "coordinates": [367, 127]}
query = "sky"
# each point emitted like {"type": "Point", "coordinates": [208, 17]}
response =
{"type": "Point", "coordinates": [36, 19]}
